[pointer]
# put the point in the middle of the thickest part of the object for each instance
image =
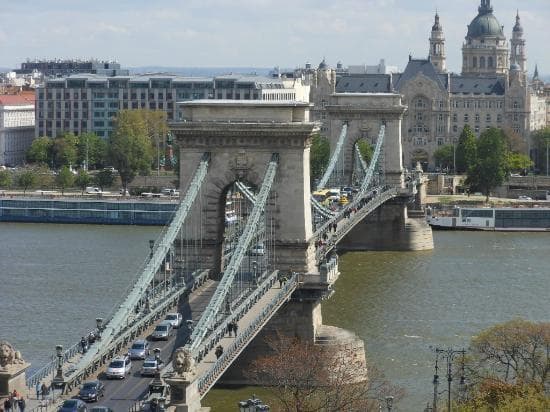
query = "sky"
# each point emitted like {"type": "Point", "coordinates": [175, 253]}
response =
{"type": "Point", "coordinates": [253, 33]}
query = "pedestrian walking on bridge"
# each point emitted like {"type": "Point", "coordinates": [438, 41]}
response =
{"type": "Point", "coordinates": [21, 404]}
{"type": "Point", "coordinates": [219, 351]}
{"type": "Point", "coordinates": [235, 327]}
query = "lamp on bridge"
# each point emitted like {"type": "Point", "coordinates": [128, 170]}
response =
{"type": "Point", "coordinates": [58, 379]}
{"type": "Point", "coordinates": [389, 403]}
{"type": "Point", "coordinates": [157, 355]}
{"type": "Point", "coordinates": [151, 246]}
{"type": "Point", "coordinates": [449, 355]}
{"type": "Point", "coordinates": [255, 272]}
{"type": "Point", "coordinates": [161, 403]}
{"type": "Point", "coordinates": [99, 324]}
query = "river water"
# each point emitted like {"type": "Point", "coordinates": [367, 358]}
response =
{"type": "Point", "coordinates": [56, 279]}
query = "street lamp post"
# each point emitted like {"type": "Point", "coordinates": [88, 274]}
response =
{"type": "Point", "coordinates": [99, 324]}
{"type": "Point", "coordinates": [59, 353]}
{"type": "Point", "coordinates": [449, 355]}
{"type": "Point", "coordinates": [389, 403]}
{"type": "Point", "coordinates": [254, 270]}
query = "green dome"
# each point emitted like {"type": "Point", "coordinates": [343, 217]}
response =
{"type": "Point", "coordinates": [485, 25]}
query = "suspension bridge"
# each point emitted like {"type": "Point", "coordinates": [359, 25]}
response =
{"type": "Point", "coordinates": [248, 230]}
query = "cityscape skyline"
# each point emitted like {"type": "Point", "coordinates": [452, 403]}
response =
{"type": "Point", "coordinates": [214, 33]}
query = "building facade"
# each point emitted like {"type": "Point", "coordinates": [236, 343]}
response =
{"type": "Point", "coordinates": [61, 68]}
{"type": "Point", "coordinates": [89, 103]}
{"type": "Point", "coordinates": [493, 89]}
{"type": "Point", "coordinates": [16, 127]}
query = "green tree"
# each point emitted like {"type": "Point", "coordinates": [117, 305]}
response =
{"type": "Point", "coordinates": [104, 178]}
{"type": "Point", "coordinates": [83, 179]}
{"type": "Point", "coordinates": [466, 150]}
{"type": "Point", "coordinates": [157, 130]}
{"type": "Point", "coordinates": [129, 146]}
{"type": "Point", "coordinates": [65, 150]}
{"type": "Point", "coordinates": [319, 156]}
{"type": "Point", "coordinates": [64, 178]}
{"type": "Point", "coordinates": [518, 162]}
{"type": "Point", "coordinates": [27, 180]}
{"type": "Point", "coordinates": [508, 366]}
{"type": "Point", "coordinates": [366, 150]}
{"type": "Point", "coordinates": [93, 149]}
{"type": "Point", "coordinates": [444, 157]}
{"type": "Point", "coordinates": [40, 151]}
{"type": "Point", "coordinates": [491, 166]}
{"type": "Point", "coordinates": [5, 179]}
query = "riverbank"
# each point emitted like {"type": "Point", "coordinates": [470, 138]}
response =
{"type": "Point", "coordinates": [89, 210]}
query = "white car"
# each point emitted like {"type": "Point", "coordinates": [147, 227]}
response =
{"type": "Point", "coordinates": [175, 319]}
{"type": "Point", "coordinates": [92, 190]}
{"type": "Point", "coordinates": [162, 331]}
{"type": "Point", "coordinates": [119, 367]}
{"type": "Point", "coordinates": [524, 198]}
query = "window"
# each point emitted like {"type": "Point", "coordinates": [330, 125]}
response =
{"type": "Point", "coordinates": [515, 105]}
{"type": "Point", "coordinates": [482, 62]}
{"type": "Point", "coordinates": [477, 117]}
{"type": "Point", "coordinates": [466, 118]}
{"type": "Point", "coordinates": [476, 128]}
{"type": "Point", "coordinates": [516, 117]}
{"type": "Point", "coordinates": [499, 118]}
{"type": "Point", "coordinates": [490, 62]}
{"type": "Point", "coordinates": [418, 117]}
{"type": "Point", "coordinates": [440, 141]}
{"type": "Point", "coordinates": [420, 103]}
{"type": "Point", "coordinates": [455, 117]}
{"type": "Point", "coordinates": [440, 117]}
{"type": "Point", "coordinates": [455, 128]}
{"type": "Point", "coordinates": [474, 61]}
{"type": "Point", "coordinates": [488, 118]}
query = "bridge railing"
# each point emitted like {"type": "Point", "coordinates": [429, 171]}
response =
{"type": "Point", "coordinates": [51, 367]}
{"type": "Point", "coordinates": [244, 337]}
{"type": "Point", "coordinates": [103, 353]}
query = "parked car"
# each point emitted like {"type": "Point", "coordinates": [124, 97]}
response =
{"type": "Point", "coordinates": [522, 197]}
{"type": "Point", "coordinates": [119, 367]}
{"type": "Point", "coordinates": [73, 405]}
{"type": "Point", "coordinates": [91, 391]}
{"type": "Point", "coordinates": [175, 319]}
{"type": "Point", "coordinates": [139, 350]}
{"type": "Point", "coordinates": [162, 331]}
{"type": "Point", "coordinates": [92, 190]}
{"type": "Point", "coordinates": [100, 409]}
{"type": "Point", "coordinates": [150, 366]}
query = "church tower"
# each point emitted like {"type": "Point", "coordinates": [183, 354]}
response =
{"type": "Point", "coordinates": [437, 46]}
{"type": "Point", "coordinates": [517, 54]}
{"type": "Point", "coordinates": [485, 52]}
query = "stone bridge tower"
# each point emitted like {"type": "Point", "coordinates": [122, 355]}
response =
{"type": "Point", "coordinates": [241, 137]}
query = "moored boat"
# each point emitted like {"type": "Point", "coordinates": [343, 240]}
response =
{"type": "Point", "coordinates": [520, 219]}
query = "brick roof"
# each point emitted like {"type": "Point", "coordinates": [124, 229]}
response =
{"type": "Point", "coordinates": [17, 99]}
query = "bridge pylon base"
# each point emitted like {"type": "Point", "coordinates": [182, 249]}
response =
{"type": "Point", "coordinates": [184, 395]}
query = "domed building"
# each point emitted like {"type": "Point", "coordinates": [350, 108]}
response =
{"type": "Point", "coordinates": [485, 51]}
{"type": "Point", "coordinates": [491, 91]}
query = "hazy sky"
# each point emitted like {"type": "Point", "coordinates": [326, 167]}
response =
{"type": "Point", "coordinates": [260, 33]}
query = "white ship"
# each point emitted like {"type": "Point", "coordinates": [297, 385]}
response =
{"type": "Point", "coordinates": [520, 219]}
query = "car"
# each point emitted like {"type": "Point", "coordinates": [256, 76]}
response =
{"type": "Point", "coordinates": [93, 190]}
{"type": "Point", "coordinates": [119, 367]}
{"type": "Point", "coordinates": [525, 198]}
{"type": "Point", "coordinates": [91, 391]}
{"type": "Point", "coordinates": [162, 331]}
{"type": "Point", "coordinates": [100, 409]}
{"type": "Point", "coordinates": [124, 192]}
{"type": "Point", "coordinates": [175, 319]}
{"type": "Point", "coordinates": [73, 405]}
{"type": "Point", "coordinates": [170, 192]}
{"type": "Point", "coordinates": [150, 366]}
{"type": "Point", "coordinates": [257, 250]}
{"type": "Point", "coordinates": [139, 350]}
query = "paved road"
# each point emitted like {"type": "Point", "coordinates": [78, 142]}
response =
{"type": "Point", "coordinates": [120, 395]}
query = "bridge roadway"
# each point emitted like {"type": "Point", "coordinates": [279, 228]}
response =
{"type": "Point", "coordinates": [121, 395]}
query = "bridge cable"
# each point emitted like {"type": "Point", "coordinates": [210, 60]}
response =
{"type": "Point", "coordinates": [334, 158]}
{"type": "Point", "coordinates": [218, 299]}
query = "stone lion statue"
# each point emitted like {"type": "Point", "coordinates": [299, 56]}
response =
{"type": "Point", "coordinates": [8, 355]}
{"type": "Point", "coordinates": [184, 363]}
